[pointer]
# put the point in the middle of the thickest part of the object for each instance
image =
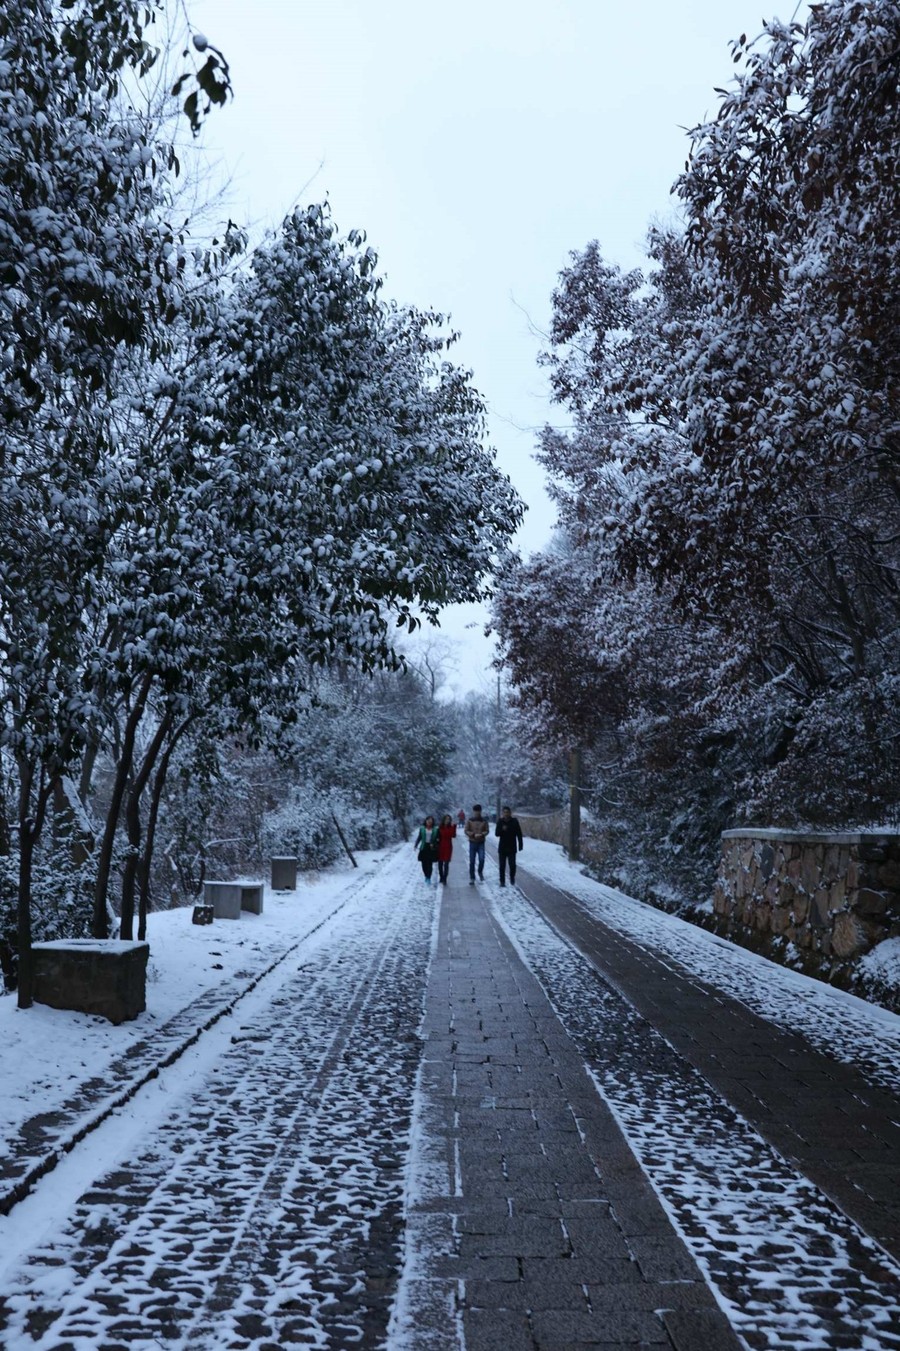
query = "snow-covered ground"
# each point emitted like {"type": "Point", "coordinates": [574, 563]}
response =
{"type": "Point", "coordinates": [781, 1257]}
{"type": "Point", "coordinates": [45, 1053]}
{"type": "Point", "coordinates": [319, 1056]}
{"type": "Point", "coordinates": [255, 1178]}
{"type": "Point", "coordinates": [847, 1027]}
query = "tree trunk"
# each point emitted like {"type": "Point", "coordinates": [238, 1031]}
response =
{"type": "Point", "coordinates": [5, 826]}
{"type": "Point", "coordinates": [343, 839]}
{"type": "Point", "coordinates": [133, 827]}
{"type": "Point", "coordinates": [66, 826]}
{"type": "Point", "coordinates": [100, 918]}
{"type": "Point", "coordinates": [23, 908]}
{"type": "Point", "coordinates": [399, 813]}
{"type": "Point", "coordinates": [150, 836]}
{"type": "Point", "coordinates": [87, 765]}
{"type": "Point", "coordinates": [30, 825]}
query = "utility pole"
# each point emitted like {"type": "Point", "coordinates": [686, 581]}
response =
{"type": "Point", "coordinates": [575, 805]}
{"type": "Point", "coordinates": [498, 747]}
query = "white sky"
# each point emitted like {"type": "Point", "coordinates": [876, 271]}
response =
{"type": "Point", "coordinates": [477, 143]}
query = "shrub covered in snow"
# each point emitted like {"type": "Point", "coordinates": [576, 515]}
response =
{"type": "Point", "coordinates": [304, 827]}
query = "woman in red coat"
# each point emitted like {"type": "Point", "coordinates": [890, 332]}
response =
{"type": "Point", "coordinates": [446, 832]}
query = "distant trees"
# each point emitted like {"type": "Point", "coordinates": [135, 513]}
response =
{"type": "Point", "coordinates": [381, 746]}
{"type": "Point", "coordinates": [363, 754]}
{"type": "Point", "coordinates": [729, 494]}
{"type": "Point", "coordinates": [216, 473]}
{"type": "Point", "coordinates": [496, 760]}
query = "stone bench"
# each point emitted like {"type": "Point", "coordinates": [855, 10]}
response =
{"type": "Point", "coordinates": [228, 899]}
{"type": "Point", "coordinates": [107, 976]}
{"type": "Point", "coordinates": [284, 874]}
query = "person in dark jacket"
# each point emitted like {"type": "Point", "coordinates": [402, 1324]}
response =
{"type": "Point", "coordinates": [426, 846]}
{"type": "Point", "coordinates": [509, 835]}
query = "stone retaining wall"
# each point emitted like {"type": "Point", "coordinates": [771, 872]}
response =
{"type": "Point", "coordinates": [554, 827]}
{"type": "Point", "coordinates": [832, 896]}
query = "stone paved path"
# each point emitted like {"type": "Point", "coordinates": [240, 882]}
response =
{"type": "Point", "coordinates": [36, 1149]}
{"type": "Point", "coordinates": [793, 1268]}
{"type": "Point", "coordinates": [825, 1116]}
{"type": "Point", "coordinates": [532, 1225]}
{"type": "Point", "coordinates": [268, 1209]}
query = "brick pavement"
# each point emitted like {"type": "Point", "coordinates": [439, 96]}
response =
{"type": "Point", "coordinates": [531, 1221]}
{"type": "Point", "coordinates": [531, 1224]}
{"type": "Point", "coordinates": [825, 1116]}
{"type": "Point", "coordinates": [263, 1204]}
{"type": "Point", "coordinates": [36, 1148]}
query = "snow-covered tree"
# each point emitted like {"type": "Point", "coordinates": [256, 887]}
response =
{"type": "Point", "coordinates": [359, 440]}
{"type": "Point", "coordinates": [606, 666]}
{"type": "Point", "coordinates": [207, 484]}
{"type": "Point", "coordinates": [90, 268]}
{"type": "Point", "coordinates": [380, 746]}
{"type": "Point", "coordinates": [731, 482]}
{"type": "Point", "coordinates": [295, 504]}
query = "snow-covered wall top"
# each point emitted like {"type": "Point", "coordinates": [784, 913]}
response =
{"type": "Point", "coordinates": [809, 836]}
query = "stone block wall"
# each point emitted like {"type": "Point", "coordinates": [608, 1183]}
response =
{"type": "Point", "coordinates": [551, 826]}
{"type": "Point", "coordinates": [834, 896]}
{"type": "Point", "coordinates": [554, 827]}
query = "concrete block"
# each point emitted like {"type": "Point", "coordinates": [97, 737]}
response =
{"type": "Point", "coordinates": [228, 899]}
{"type": "Point", "coordinates": [284, 874]}
{"type": "Point", "coordinates": [224, 897]}
{"type": "Point", "coordinates": [107, 977]}
{"type": "Point", "coordinates": [252, 897]}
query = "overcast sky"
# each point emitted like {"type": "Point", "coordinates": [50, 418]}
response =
{"type": "Point", "coordinates": [477, 143]}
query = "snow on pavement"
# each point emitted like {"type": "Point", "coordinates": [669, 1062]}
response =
{"type": "Point", "coordinates": [265, 1203]}
{"type": "Point", "coordinates": [846, 1027]}
{"type": "Point", "coordinates": [46, 1053]}
{"type": "Point", "coordinates": [255, 1193]}
{"type": "Point", "coordinates": [790, 1269]}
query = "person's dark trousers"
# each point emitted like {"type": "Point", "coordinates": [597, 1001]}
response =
{"type": "Point", "coordinates": [443, 869]}
{"type": "Point", "coordinates": [476, 851]}
{"type": "Point", "coordinates": [504, 860]}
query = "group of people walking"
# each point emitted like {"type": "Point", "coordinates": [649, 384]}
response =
{"type": "Point", "coordinates": [434, 844]}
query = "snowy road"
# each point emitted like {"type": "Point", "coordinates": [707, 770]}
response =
{"type": "Point", "coordinates": [259, 1193]}
{"type": "Point", "coordinates": [265, 1207]}
{"type": "Point", "coordinates": [790, 1268]}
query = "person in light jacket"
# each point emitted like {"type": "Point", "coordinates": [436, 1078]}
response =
{"type": "Point", "coordinates": [476, 833]}
{"type": "Point", "coordinates": [509, 835]}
